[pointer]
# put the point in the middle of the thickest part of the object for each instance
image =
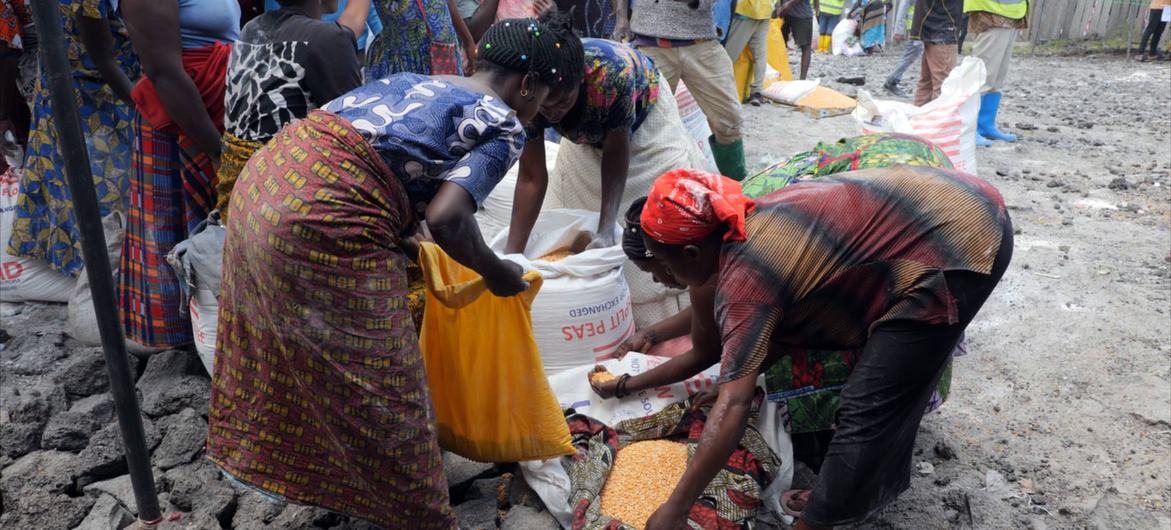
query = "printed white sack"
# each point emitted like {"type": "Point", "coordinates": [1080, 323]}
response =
{"type": "Point", "coordinates": [583, 309]}
{"type": "Point", "coordinates": [790, 92]}
{"type": "Point", "coordinates": [496, 212]}
{"type": "Point", "coordinates": [23, 279]}
{"type": "Point", "coordinates": [548, 477]}
{"type": "Point", "coordinates": [198, 263]}
{"type": "Point", "coordinates": [695, 121]}
{"type": "Point", "coordinates": [82, 323]}
{"type": "Point", "coordinates": [949, 121]}
{"type": "Point", "coordinates": [844, 41]}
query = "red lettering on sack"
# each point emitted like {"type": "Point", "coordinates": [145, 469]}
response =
{"type": "Point", "coordinates": [11, 271]}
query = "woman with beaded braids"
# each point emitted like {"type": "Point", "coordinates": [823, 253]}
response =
{"type": "Point", "coordinates": [621, 129]}
{"type": "Point", "coordinates": [319, 392]}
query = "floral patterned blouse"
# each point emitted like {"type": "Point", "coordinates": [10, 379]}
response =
{"type": "Point", "coordinates": [620, 87]}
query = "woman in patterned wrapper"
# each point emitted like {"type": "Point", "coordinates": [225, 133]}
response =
{"type": "Point", "coordinates": [286, 63]}
{"type": "Point", "coordinates": [103, 66]}
{"type": "Point", "coordinates": [893, 262]}
{"type": "Point", "coordinates": [620, 128]}
{"type": "Point", "coordinates": [319, 393]}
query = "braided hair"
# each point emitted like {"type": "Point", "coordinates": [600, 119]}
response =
{"type": "Point", "coordinates": [546, 48]}
{"type": "Point", "coordinates": [632, 242]}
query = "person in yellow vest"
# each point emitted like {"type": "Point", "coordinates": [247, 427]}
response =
{"type": "Point", "coordinates": [994, 25]}
{"type": "Point", "coordinates": [829, 12]}
{"type": "Point", "coordinates": [749, 29]}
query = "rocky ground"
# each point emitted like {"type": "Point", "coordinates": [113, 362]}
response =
{"type": "Point", "coordinates": [1060, 415]}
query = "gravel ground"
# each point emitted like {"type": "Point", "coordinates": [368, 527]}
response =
{"type": "Point", "coordinates": [1060, 416]}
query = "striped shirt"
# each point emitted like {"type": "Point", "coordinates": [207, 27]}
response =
{"type": "Point", "coordinates": [826, 260]}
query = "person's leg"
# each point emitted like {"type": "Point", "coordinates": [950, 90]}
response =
{"type": "Point", "coordinates": [667, 61]}
{"type": "Point", "coordinates": [912, 50]}
{"type": "Point", "coordinates": [1157, 35]}
{"type": "Point", "coordinates": [995, 48]}
{"type": "Point", "coordinates": [941, 65]}
{"type": "Point", "coordinates": [1153, 18]}
{"type": "Point", "coordinates": [707, 70]}
{"type": "Point", "coordinates": [739, 33]}
{"type": "Point", "coordinates": [924, 88]}
{"type": "Point", "coordinates": [759, 46]}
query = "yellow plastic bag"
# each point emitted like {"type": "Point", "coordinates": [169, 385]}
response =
{"type": "Point", "coordinates": [778, 58]}
{"type": "Point", "coordinates": [492, 401]}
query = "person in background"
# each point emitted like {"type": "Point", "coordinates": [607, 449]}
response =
{"type": "Point", "coordinates": [620, 128]}
{"type": "Point", "coordinates": [895, 262]}
{"type": "Point", "coordinates": [912, 48]}
{"type": "Point", "coordinates": [829, 13]}
{"type": "Point", "coordinates": [308, 62]}
{"type": "Point", "coordinates": [684, 44]}
{"type": "Point", "coordinates": [934, 24]}
{"type": "Point", "coordinates": [184, 47]}
{"type": "Point", "coordinates": [592, 19]}
{"type": "Point", "coordinates": [994, 25]}
{"type": "Point", "coordinates": [250, 9]}
{"type": "Point", "coordinates": [18, 78]}
{"type": "Point", "coordinates": [871, 16]}
{"type": "Point", "coordinates": [372, 25]}
{"type": "Point", "coordinates": [749, 29]}
{"type": "Point", "coordinates": [421, 37]}
{"type": "Point", "coordinates": [103, 67]}
{"type": "Point", "coordinates": [798, 17]}
{"type": "Point", "coordinates": [320, 395]}
{"type": "Point", "coordinates": [1153, 32]}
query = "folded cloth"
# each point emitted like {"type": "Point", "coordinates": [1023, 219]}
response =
{"type": "Point", "coordinates": [208, 67]}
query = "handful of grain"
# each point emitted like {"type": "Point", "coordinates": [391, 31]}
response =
{"type": "Point", "coordinates": [557, 255]}
{"type": "Point", "coordinates": [642, 479]}
{"type": "Point", "coordinates": [601, 376]}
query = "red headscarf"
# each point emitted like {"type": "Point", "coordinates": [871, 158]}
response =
{"type": "Point", "coordinates": [685, 205]}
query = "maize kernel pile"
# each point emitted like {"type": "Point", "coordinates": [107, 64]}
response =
{"type": "Point", "coordinates": [643, 476]}
{"type": "Point", "coordinates": [601, 376]}
{"type": "Point", "coordinates": [557, 255]}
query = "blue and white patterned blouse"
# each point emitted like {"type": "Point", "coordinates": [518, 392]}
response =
{"type": "Point", "coordinates": [430, 132]}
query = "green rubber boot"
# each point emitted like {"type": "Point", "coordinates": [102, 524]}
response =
{"type": "Point", "coordinates": [729, 158]}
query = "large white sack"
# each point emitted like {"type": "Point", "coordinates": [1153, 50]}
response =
{"type": "Point", "coordinates": [23, 279]}
{"type": "Point", "coordinates": [548, 477]}
{"type": "Point", "coordinates": [696, 123]}
{"type": "Point", "coordinates": [582, 311]}
{"type": "Point", "coordinates": [198, 264]}
{"type": "Point", "coordinates": [948, 121]}
{"type": "Point", "coordinates": [82, 323]}
{"type": "Point", "coordinates": [844, 42]}
{"type": "Point", "coordinates": [496, 212]}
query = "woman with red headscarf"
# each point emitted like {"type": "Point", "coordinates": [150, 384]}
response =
{"type": "Point", "coordinates": [895, 262]}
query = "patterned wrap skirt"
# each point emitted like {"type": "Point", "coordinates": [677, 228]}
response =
{"type": "Point", "coordinates": [320, 393]}
{"type": "Point", "coordinates": [236, 153]}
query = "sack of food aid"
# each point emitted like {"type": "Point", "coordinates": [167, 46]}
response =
{"type": "Point", "coordinates": [583, 311]}
{"type": "Point", "coordinates": [492, 402]}
{"type": "Point", "coordinates": [198, 263]}
{"type": "Point", "coordinates": [948, 121]}
{"type": "Point", "coordinates": [24, 279]}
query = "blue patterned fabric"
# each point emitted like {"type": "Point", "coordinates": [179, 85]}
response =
{"type": "Point", "coordinates": [430, 132]}
{"type": "Point", "coordinates": [45, 226]}
{"type": "Point", "coordinates": [412, 39]}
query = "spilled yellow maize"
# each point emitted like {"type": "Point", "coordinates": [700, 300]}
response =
{"type": "Point", "coordinates": [643, 476]}
{"type": "Point", "coordinates": [601, 376]}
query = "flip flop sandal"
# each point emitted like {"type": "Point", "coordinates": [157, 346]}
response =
{"type": "Point", "coordinates": [793, 501]}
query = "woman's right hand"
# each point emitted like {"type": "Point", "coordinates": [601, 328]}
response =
{"type": "Point", "coordinates": [507, 279]}
{"type": "Point", "coordinates": [604, 389]}
{"type": "Point", "coordinates": [639, 342]}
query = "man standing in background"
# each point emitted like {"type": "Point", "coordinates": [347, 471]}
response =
{"type": "Point", "coordinates": [994, 25]}
{"type": "Point", "coordinates": [683, 42]}
{"type": "Point", "coordinates": [936, 24]}
{"type": "Point", "coordinates": [798, 17]}
{"type": "Point", "coordinates": [749, 28]}
{"type": "Point", "coordinates": [829, 12]}
{"type": "Point", "coordinates": [912, 49]}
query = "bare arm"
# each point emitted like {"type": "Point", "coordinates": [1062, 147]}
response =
{"type": "Point", "coordinates": [154, 30]}
{"type": "Point", "coordinates": [99, 44]}
{"type": "Point", "coordinates": [354, 16]}
{"type": "Point", "coordinates": [483, 18]}
{"type": "Point", "coordinates": [465, 37]}
{"type": "Point", "coordinates": [532, 182]}
{"type": "Point", "coordinates": [450, 218]}
{"type": "Point", "coordinates": [615, 168]}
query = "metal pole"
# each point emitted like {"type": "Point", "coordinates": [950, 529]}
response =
{"type": "Point", "coordinates": [71, 142]}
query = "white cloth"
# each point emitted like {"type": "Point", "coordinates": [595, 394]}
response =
{"type": "Point", "coordinates": [660, 144]}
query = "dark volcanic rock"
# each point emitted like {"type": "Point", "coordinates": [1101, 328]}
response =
{"type": "Point", "coordinates": [99, 407]}
{"type": "Point", "coordinates": [105, 456]}
{"type": "Point", "coordinates": [34, 404]}
{"type": "Point", "coordinates": [19, 439]}
{"type": "Point", "coordinates": [199, 487]}
{"type": "Point", "coordinates": [174, 380]}
{"type": "Point", "coordinates": [42, 509]}
{"type": "Point", "coordinates": [107, 514]}
{"type": "Point", "coordinates": [69, 431]}
{"type": "Point", "coordinates": [84, 373]}
{"type": "Point", "coordinates": [186, 435]}
{"type": "Point", "coordinates": [254, 511]}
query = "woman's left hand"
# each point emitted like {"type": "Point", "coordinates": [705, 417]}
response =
{"type": "Point", "coordinates": [601, 242]}
{"type": "Point", "coordinates": [668, 517]}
